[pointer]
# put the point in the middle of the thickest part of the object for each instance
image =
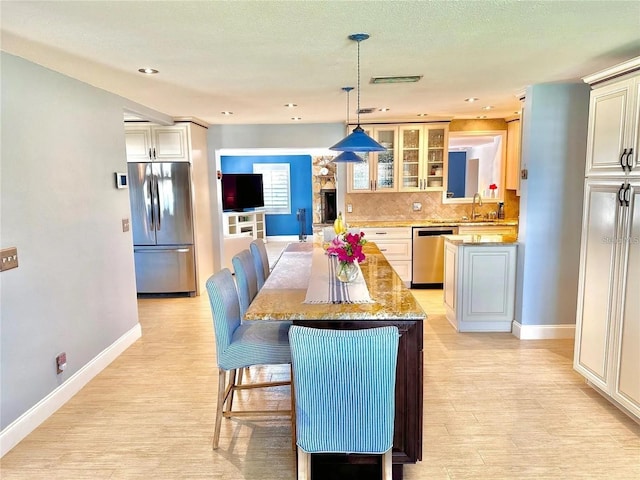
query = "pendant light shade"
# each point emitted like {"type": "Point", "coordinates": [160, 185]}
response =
{"type": "Point", "coordinates": [358, 140]}
{"type": "Point", "coordinates": [348, 157]}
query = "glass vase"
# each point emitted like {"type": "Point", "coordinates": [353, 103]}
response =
{"type": "Point", "coordinates": [347, 272]}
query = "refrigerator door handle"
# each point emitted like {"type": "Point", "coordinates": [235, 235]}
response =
{"type": "Point", "coordinates": [151, 209]}
{"type": "Point", "coordinates": [157, 202]}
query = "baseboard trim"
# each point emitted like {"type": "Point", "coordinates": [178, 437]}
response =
{"type": "Point", "coordinates": [32, 418]}
{"type": "Point", "coordinates": [542, 332]}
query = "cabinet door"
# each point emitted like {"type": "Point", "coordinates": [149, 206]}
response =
{"type": "Point", "coordinates": [595, 315]}
{"type": "Point", "coordinates": [627, 385]}
{"type": "Point", "coordinates": [634, 158]}
{"type": "Point", "coordinates": [385, 177]}
{"type": "Point", "coordinates": [610, 123]}
{"type": "Point", "coordinates": [170, 144]}
{"type": "Point", "coordinates": [410, 148]}
{"type": "Point", "coordinates": [513, 155]}
{"type": "Point", "coordinates": [138, 143]}
{"type": "Point", "coordinates": [436, 154]}
{"type": "Point", "coordinates": [360, 175]}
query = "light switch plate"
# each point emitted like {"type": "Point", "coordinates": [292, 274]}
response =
{"type": "Point", "coordinates": [9, 258]}
{"type": "Point", "coordinates": [125, 224]}
{"type": "Point", "coordinates": [349, 208]}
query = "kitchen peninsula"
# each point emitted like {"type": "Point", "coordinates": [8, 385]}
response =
{"type": "Point", "coordinates": [282, 297]}
{"type": "Point", "coordinates": [480, 281]}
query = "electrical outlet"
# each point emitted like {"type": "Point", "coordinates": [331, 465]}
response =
{"type": "Point", "coordinates": [524, 173]}
{"type": "Point", "coordinates": [349, 208]}
{"type": "Point", "coordinates": [9, 258]}
{"type": "Point", "coordinates": [61, 362]}
{"type": "Point", "coordinates": [417, 206]}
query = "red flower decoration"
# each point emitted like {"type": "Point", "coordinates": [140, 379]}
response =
{"type": "Point", "coordinates": [348, 247]}
{"type": "Point", "coordinates": [493, 186]}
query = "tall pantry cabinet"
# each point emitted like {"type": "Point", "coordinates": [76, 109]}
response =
{"type": "Point", "coordinates": [607, 346]}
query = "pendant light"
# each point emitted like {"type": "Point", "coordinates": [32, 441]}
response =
{"type": "Point", "coordinates": [348, 157]}
{"type": "Point", "coordinates": [358, 140]}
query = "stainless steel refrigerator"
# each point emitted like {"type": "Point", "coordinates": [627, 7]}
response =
{"type": "Point", "coordinates": [162, 227]}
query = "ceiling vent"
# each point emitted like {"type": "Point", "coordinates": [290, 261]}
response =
{"type": "Point", "coordinates": [397, 79]}
{"type": "Point", "coordinates": [367, 110]}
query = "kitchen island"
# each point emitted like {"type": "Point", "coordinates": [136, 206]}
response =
{"type": "Point", "coordinates": [480, 281]}
{"type": "Point", "coordinates": [281, 299]}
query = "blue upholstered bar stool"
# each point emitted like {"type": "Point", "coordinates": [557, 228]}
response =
{"type": "Point", "coordinates": [246, 279]}
{"type": "Point", "coordinates": [240, 345]}
{"type": "Point", "coordinates": [260, 261]}
{"type": "Point", "coordinates": [344, 384]}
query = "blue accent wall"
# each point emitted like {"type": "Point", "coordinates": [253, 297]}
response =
{"type": "Point", "coordinates": [301, 193]}
{"type": "Point", "coordinates": [457, 173]}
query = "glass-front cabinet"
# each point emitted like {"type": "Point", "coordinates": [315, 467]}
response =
{"type": "Point", "coordinates": [422, 157]}
{"type": "Point", "coordinates": [378, 173]}
{"type": "Point", "coordinates": [410, 158]}
{"type": "Point", "coordinates": [436, 153]}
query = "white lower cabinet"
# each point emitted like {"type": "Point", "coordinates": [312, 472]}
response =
{"type": "Point", "coordinates": [607, 348]}
{"type": "Point", "coordinates": [479, 286]}
{"type": "Point", "coordinates": [395, 245]}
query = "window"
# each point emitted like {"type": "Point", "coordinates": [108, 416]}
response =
{"type": "Point", "coordinates": [276, 186]}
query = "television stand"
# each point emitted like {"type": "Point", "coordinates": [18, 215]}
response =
{"type": "Point", "coordinates": [249, 223]}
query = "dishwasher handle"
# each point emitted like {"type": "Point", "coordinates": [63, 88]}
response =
{"type": "Point", "coordinates": [432, 233]}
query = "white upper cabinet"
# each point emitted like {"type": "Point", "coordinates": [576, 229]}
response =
{"type": "Point", "coordinates": [155, 143]}
{"type": "Point", "coordinates": [614, 113]}
{"type": "Point", "coordinates": [379, 172]}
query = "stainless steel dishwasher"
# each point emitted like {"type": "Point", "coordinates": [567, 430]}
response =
{"type": "Point", "coordinates": [428, 256]}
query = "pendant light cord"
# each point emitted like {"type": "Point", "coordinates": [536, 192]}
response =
{"type": "Point", "coordinates": [358, 111]}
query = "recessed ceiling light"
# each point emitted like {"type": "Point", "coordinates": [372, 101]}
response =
{"type": "Point", "coordinates": [423, 114]}
{"type": "Point", "coordinates": [488, 107]}
{"type": "Point", "coordinates": [296, 119]}
{"type": "Point", "coordinates": [226, 112]}
{"type": "Point", "coordinates": [290, 105]}
{"type": "Point", "coordinates": [383, 109]}
{"type": "Point", "coordinates": [396, 79]}
{"type": "Point", "coordinates": [471, 99]}
{"type": "Point", "coordinates": [148, 71]}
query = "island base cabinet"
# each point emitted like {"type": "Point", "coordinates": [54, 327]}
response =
{"type": "Point", "coordinates": [479, 290]}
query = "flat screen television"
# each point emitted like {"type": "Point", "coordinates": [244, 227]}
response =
{"type": "Point", "coordinates": [241, 191]}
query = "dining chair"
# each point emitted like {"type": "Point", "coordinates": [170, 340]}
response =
{"type": "Point", "coordinates": [240, 345]}
{"type": "Point", "coordinates": [246, 279]}
{"type": "Point", "coordinates": [338, 412]}
{"type": "Point", "coordinates": [260, 260]}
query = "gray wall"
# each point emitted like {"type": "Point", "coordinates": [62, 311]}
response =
{"type": "Point", "coordinates": [554, 141]}
{"type": "Point", "coordinates": [74, 291]}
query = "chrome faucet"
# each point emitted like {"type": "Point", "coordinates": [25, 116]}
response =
{"type": "Point", "coordinates": [473, 205]}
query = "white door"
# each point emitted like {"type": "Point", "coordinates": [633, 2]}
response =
{"type": "Point", "coordinates": [627, 389]}
{"type": "Point", "coordinates": [596, 313]}
{"type": "Point", "coordinates": [610, 124]}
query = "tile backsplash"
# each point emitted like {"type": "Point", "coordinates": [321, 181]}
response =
{"type": "Point", "coordinates": [399, 206]}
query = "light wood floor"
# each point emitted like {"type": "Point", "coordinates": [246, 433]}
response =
{"type": "Point", "coordinates": [494, 408]}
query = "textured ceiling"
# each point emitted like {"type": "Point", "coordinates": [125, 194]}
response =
{"type": "Point", "coordinates": [252, 57]}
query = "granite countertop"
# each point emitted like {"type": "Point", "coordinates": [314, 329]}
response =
{"type": "Point", "coordinates": [430, 222]}
{"type": "Point", "coordinates": [484, 240]}
{"type": "Point", "coordinates": [283, 294]}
